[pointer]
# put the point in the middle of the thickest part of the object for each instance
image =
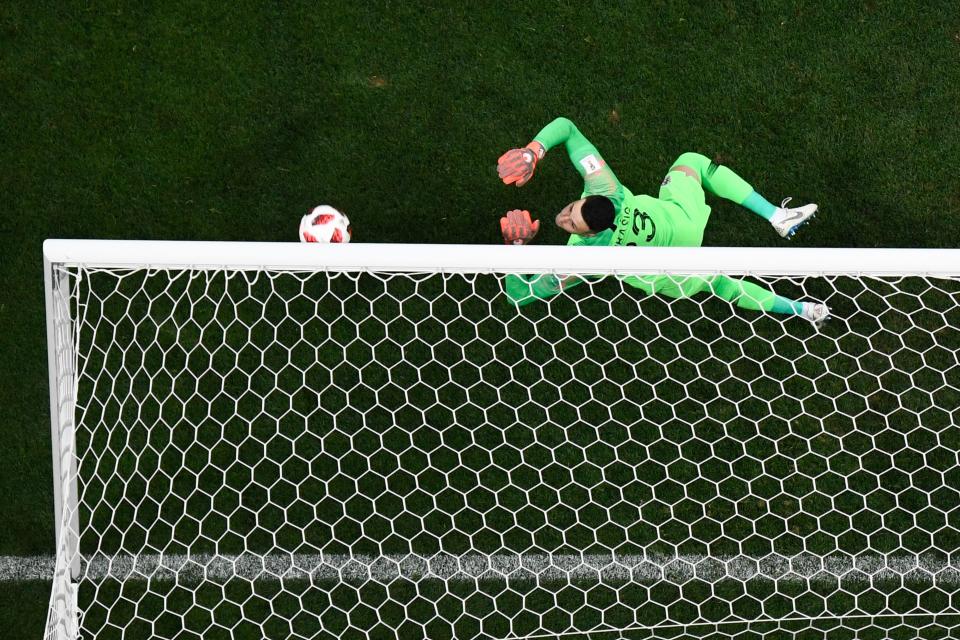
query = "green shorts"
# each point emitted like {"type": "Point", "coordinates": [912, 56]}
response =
{"type": "Point", "coordinates": [687, 205]}
{"type": "Point", "coordinates": [691, 211]}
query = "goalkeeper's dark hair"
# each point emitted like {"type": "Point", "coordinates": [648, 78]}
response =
{"type": "Point", "coordinates": [599, 213]}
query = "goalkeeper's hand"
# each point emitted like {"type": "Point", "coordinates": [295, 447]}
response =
{"type": "Point", "coordinates": [517, 165]}
{"type": "Point", "coordinates": [517, 228]}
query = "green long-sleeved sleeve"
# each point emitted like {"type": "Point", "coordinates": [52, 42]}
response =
{"type": "Point", "coordinates": [598, 178]}
{"type": "Point", "coordinates": [523, 290]}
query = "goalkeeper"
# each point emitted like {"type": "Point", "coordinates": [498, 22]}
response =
{"type": "Point", "coordinates": [608, 214]}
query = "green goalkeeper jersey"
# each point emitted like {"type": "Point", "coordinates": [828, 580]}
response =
{"type": "Point", "coordinates": [675, 218]}
{"type": "Point", "coordinates": [641, 220]}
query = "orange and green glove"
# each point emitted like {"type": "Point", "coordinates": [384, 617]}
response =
{"type": "Point", "coordinates": [517, 228]}
{"type": "Point", "coordinates": [517, 165]}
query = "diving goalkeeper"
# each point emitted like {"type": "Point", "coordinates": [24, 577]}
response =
{"type": "Point", "coordinates": [607, 213]}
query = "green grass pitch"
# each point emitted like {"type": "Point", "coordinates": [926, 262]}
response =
{"type": "Point", "coordinates": [197, 121]}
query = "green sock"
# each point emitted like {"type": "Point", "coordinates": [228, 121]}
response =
{"type": "Point", "coordinates": [759, 205]}
{"type": "Point", "coordinates": [749, 295]}
{"type": "Point", "coordinates": [786, 306]}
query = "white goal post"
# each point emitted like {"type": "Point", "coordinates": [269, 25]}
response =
{"type": "Point", "coordinates": [281, 440]}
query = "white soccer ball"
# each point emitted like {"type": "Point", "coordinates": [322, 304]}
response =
{"type": "Point", "coordinates": [325, 224]}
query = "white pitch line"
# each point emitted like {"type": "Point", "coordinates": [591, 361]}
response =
{"type": "Point", "coordinates": [23, 568]}
{"type": "Point", "coordinates": [473, 568]}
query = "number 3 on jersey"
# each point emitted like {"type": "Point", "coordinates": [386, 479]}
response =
{"type": "Point", "coordinates": [641, 222]}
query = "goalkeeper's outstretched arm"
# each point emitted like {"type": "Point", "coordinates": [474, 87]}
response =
{"type": "Point", "coordinates": [598, 177]}
{"type": "Point", "coordinates": [518, 165]}
{"type": "Point", "coordinates": [517, 228]}
{"type": "Point", "coordinates": [522, 290]}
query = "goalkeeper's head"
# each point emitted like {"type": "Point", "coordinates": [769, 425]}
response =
{"type": "Point", "coordinates": [588, 216]}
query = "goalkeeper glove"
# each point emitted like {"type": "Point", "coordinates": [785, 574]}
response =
{"type": "Point", "coordinates": [517, 165]}
{"type": "Point", "coordinates": [517, 227]}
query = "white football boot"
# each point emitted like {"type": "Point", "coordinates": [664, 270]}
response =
{"type": "Point", "coordinates": [786, 220]}
{"type": "Point", "coordinates": [815, 312]}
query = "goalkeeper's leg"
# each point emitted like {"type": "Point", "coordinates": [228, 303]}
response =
{"type": "Point", "coordinates": [748, 295]}
{"type": "Point", "coordinates": [522, 290]}
{"type": "Point", "coordinates": [722, 181]}
{"type": "Point", "coordinates": [742, 293]}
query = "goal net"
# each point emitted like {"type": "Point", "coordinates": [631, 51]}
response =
{"type": "Point", "coordinates": [368, 441]}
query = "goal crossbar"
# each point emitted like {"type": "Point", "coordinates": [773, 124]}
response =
{"type": "Point", "coordinates": [458, 258]}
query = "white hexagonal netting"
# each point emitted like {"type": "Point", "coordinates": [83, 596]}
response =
{"type": "Point", "coordinates": [303, 454]}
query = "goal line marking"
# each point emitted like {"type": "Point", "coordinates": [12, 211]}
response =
{"type": "Point", "coordinates": [525, 567]}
